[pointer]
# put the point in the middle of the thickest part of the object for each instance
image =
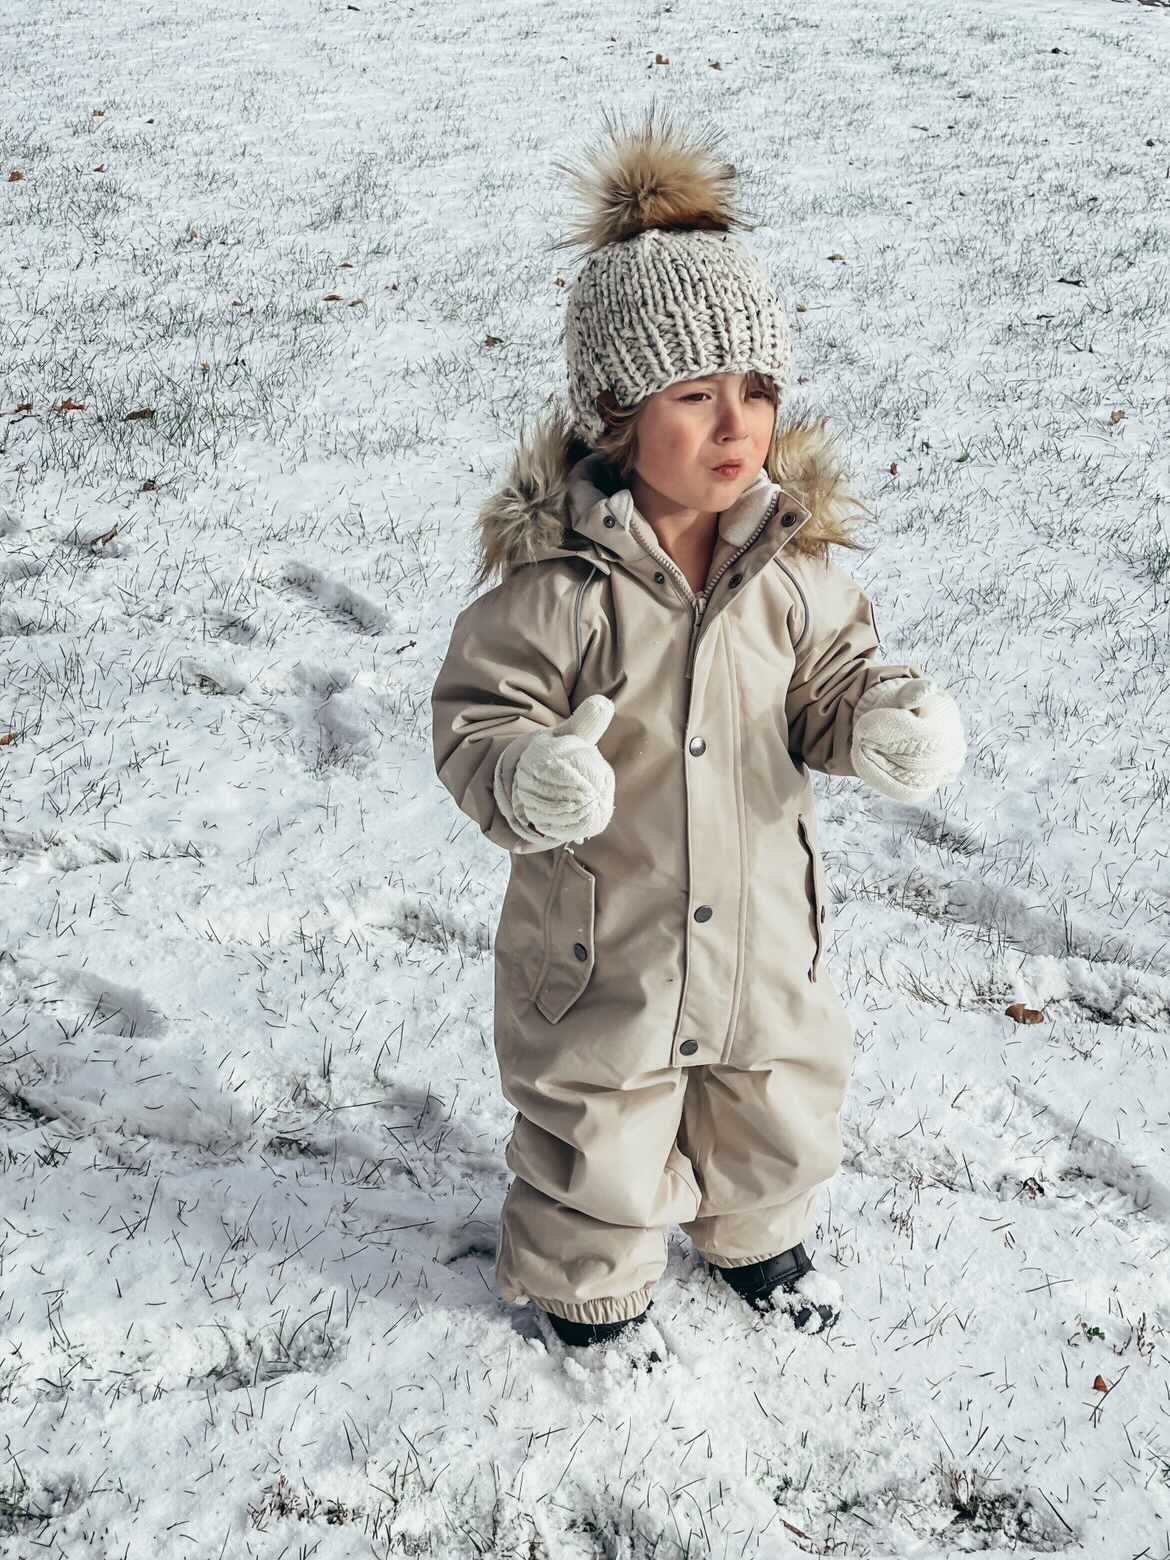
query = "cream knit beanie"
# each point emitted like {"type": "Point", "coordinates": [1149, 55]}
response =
{"type": "Point", "coordinates": [665, 292]}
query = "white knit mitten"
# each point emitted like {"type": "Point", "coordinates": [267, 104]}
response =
{"type": "Point", "coordinates": [554, 786]}
{"type": "Point", "coordinates": [907, 738]}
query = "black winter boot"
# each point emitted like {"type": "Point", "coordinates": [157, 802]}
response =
{"type": "Point", "coordinates": [758, 1282]}
{"type": "Point", "coordinates": [583, 1333]}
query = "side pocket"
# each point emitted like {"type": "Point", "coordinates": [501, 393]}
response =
{"type": "Point", "coordinates": [818, 898]}
{"type": "Point", "coordinates": [568, 937]}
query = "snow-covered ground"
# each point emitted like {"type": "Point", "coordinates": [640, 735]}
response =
{"type": "Point", "coordinates": [252, 1134]}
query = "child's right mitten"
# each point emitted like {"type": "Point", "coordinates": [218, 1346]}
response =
{"type": "Point", "coordinates": [561, 789]}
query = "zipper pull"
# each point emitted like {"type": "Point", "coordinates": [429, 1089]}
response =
{"type": "Point", "coordinates": [696, 616]}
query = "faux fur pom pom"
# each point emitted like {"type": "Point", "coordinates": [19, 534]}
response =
{"type": "Point", "coordinates": [652, 176]}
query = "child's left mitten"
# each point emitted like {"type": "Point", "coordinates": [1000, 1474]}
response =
{"type": "Point", "coordinates": [907, 738]}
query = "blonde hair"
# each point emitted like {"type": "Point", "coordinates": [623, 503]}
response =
{"type": "Point", "coordinates": [619, 441]}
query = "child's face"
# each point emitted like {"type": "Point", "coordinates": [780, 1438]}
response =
{"type": "Point", "coordinates": [688, 429]}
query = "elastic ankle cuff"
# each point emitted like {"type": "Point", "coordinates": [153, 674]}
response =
{"type": "Point", "coordinates": [606, 1308]}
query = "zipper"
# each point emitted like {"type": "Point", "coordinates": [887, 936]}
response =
{"type": "Point", "coordinates": [699, 602]}
{"type": "Point", "coordinates": [727, 562]}
{"type": "Point", "coordinates": [680, 579]}
{"type": "Point", "coordinates": [682, 585]}
{"type": "Point", "coordinates": [705, 594]}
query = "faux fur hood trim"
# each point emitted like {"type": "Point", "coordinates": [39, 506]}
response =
{"type": "Point", "coordinates": [526, 517]}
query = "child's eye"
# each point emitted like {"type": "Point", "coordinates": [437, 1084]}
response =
{"type": "Point", "coordinates": [694, 394]}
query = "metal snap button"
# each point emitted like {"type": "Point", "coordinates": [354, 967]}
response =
{"type": "Point", "coordinates": [697, 745]}
{"type": "Point", "coordinates": [704, 913]}
{"type": "Point", "coordinates": [789, 519]}
{"type": "Point", "coordinates": [580, 951]}
{"type": "Point", "coordinates": [736, 579]}
{"type": "Point", "coordinates": [609, 520]}
{"type": "Point", "coordinates": [689, 1047]}
{"type": "Point", "coordinates": [659, 577]}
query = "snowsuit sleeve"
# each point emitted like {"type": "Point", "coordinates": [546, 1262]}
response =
{"type": "Point", "coordinates": [835, 665]}
{"type": "Point", "coordinates": [508, 672]}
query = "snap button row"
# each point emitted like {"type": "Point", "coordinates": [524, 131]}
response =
{"type": "Point", "coordinates": [580, 950]}
{"type": "Point", "coordinates": [736, 579]}
{"type": "Point", "coordinates": [659, 577]}
{"type": "Point", "coordinates": [689, 1047]}
{"type": "Point", "coordinates": [703, 913]}
{"type": "Point", "coordinates": [697, 745]}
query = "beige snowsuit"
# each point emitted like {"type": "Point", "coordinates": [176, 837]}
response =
{"type": "Point", "coordinates": [664, 1025]}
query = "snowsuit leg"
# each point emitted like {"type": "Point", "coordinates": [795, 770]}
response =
{"type": "Point", "coordinates": [735, 1156]}
{"type": "Point", "coordinates": [599, 1181]}
{"type": "Point", "coordinates": [762, 1142]}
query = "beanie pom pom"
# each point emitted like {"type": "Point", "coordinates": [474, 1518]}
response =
{"type": "Point", "coordinates": [652, 176]}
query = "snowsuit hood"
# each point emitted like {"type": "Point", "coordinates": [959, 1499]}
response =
{"type": "Point", "coordinates": [555, 481]}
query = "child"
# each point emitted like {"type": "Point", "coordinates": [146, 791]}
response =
{"type": "Point", "coordinates": [632, 712]}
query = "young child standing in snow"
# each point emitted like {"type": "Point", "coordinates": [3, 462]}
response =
{"type": "Point", "coordinates": [632, 712]}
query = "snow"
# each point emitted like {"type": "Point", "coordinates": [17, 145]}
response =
{"type": "Point", "coordinates": [252, 1135]}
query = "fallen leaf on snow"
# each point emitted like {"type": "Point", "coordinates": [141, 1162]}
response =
{"type": "Point", "coordinates": [1024, 1015]}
